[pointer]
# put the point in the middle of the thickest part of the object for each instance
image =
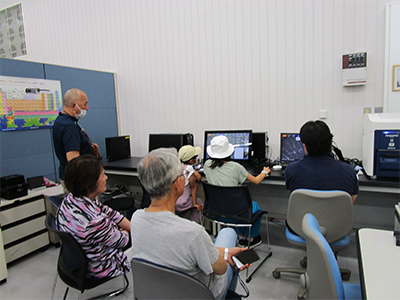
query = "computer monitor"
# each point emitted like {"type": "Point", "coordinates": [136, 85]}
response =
{"type": "Point", "coordinates": [118, 147]}
{"type": "Point", "coordinates": [169, 140]}
{"type": "Point", "coordinates": [240, 139]}
{"type": "Point", "coordinates": [292, 148]}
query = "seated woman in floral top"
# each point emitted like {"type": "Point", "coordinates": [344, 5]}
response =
{"type": "Point", "coordinates": [102, 232]}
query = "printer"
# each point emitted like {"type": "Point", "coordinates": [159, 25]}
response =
{"type": "Point", "coordinates": [381, 144]}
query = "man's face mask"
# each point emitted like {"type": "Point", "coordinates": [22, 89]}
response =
{"type": "Point", "coordinates": [81, 114]}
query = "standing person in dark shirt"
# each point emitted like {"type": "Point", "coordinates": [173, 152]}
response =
{"type": "Point", "coordinates": [319, 170]}
{"type": "Point", "coordinates": [70, 140]}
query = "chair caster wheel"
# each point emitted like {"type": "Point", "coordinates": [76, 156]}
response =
{"type": "Point", "coordinates": [276, 274]}
{"type": "Point", "coordinates": [303, 263]}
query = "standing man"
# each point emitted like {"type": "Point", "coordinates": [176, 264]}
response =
{"type": "Point", "coordinates": [319, 170]}
{"type": "Point", "coordinates": [70, 140]}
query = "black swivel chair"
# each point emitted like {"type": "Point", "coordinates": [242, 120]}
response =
{"type": "Point", "coordinates": [72, 265]}
{"type": "Point", "coordinates": [232, 207]}
{"type": "Point", "coordinates": [123, 204]}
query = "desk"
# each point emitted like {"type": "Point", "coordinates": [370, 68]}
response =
{"type": "Point", "coordinates": [373, 207]}
{"type": "Point", "coordinates": [379, 264]}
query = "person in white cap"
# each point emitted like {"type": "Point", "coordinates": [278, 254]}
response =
{"type": "Point", "coordinates": [220, 170]}
{"type": "Point", "coordinates": [188, 156]}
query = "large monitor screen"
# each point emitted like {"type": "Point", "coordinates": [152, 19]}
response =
{"type": "Point", "coordinates": [169, 140]}
{"type": "Point", "coordinates": [240, 139]}
{"type": "Point", "coordinates": [292, 148]}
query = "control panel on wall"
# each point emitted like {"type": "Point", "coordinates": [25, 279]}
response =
{"type": "Point", "coordinates": [354, 69]}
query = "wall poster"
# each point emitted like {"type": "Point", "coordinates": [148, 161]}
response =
{"type": "Point", "coordinates": [28, 103]}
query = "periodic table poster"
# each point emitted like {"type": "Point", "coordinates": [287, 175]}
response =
{"type": "Point", "coordinates": [28, 103]}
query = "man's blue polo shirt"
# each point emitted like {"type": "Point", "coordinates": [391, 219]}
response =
{"type": "Point", "coordinates": [68, 136]}
{"type": "Point", "coordinates": [321, 173]}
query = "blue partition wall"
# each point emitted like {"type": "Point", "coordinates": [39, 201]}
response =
{"type": "Point", "coordinates": [30, 152]}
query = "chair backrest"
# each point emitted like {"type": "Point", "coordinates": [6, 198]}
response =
{"type": "Point", "coordinates": [120, 203]}
{"type": "Point", "coordinates": [153, 281]}
{"type": "Point", "coordinates": [333, 210]}
{"type": "Point", "coordinates": [323, 279]}
{"type": "Point", "coordinates": [72, 261]}
{"type": "Point", "coordinates": [231, 202]}
{"type": "Point", "coordinates": [56, 200]}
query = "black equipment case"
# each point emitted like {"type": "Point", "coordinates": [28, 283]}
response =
{"type": "Point", "coordinates": [13, 186]}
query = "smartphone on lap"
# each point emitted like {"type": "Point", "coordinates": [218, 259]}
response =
{"type": "Point", "coordinates": [246, 257]}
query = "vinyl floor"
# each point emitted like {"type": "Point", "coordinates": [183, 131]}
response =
{"type": "Point", "coordinates": [32, 277]}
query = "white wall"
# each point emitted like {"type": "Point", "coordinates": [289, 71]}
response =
{"type": "Point", "coordinates": [189, 66]}
{"type": "Point", "coordinates": [392, 98]}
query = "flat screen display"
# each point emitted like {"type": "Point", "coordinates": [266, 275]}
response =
{"type": "Point", "coordinates": [292, 148]}
{"type": "Point", "coordinates": [240, 139]}
{"type": "Point", "coordinates": [169, 140]}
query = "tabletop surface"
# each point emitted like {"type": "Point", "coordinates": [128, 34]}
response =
{"type": "Point", "coordinates": [380, 263]}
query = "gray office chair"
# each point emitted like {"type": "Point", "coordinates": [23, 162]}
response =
{"type": "Point", "coordinates": [231, 206]}
{"type": "Point", "coordinates": [334, 212]}
{"type": "Point", "coordinates": [322, 279]}
{"type": "Point", "coordinates": [153, 281]}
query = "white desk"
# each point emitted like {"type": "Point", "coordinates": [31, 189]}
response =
{"type": "Point", "coordinates": [379, 263]}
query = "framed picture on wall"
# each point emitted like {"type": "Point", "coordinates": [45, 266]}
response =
{"type": "Point", "coordinates": [396, 78]}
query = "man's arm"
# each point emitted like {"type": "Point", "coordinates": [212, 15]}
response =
{"type": "Point", "coordinates": [220, 266]}
{"type": "Point", "coordinates": [354, 198]}
{"type": "Point", "coordinates": [72, 154]}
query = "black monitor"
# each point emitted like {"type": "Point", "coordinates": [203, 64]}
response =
{"type": "Point", "coordinates": [169, 140]}
{"type": "Point", "coordinates": [292, 148]}
{"type": "Point", "coordinates": [240, 139]}
{"type": "Point", "coordinates": [118, 147]}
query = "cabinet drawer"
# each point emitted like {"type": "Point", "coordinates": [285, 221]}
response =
{"type": "Point", "coordinates": [14, 233]}
{"type": "Point", "coordinates": [26, 247]}
{"type": "Point", "coordinates": [21, 211]}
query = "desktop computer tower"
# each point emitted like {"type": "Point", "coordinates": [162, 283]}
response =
{"type": "Point", "coordinates": [118, 148]}
{"type": "Point", "coordinates": [168, 140]}
{"type": "Point", "coordinates": [260, 145]}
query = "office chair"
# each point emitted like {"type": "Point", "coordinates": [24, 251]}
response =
{"type": "Point", "coordinates": [123, 204]}
{"type": "Point", "coordinates": [232, 207]}
{"type": "Point", "coordinates": [322, 279]}
{"type": "Point", "coordinates": [56, 200]}
{"type": "Point", "coordinates": [153, 281]}
{"type": "Point", "coordinates": [333, 210]}
{"type": "Point", "coordinates": [72, 265]}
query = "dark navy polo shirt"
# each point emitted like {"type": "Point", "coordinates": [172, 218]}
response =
{"type": "Point", "coordinates": [68, 136]}
{"type": "Point", "coordinates": [321, 173]}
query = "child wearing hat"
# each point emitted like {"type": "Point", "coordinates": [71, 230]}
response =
{"type": "Point", "coordinates": [221, 171]}
{"type": "Point", "coordinates": [188, 156]}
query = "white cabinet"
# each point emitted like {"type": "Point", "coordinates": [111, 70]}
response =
{"type": "Point", "coordinates": [3, 268]}
{"type": "Point", "coordinates": [22, 225]}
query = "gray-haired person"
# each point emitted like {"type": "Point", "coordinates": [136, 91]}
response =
{"type": "Point", "coordinates": [158, 235]}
